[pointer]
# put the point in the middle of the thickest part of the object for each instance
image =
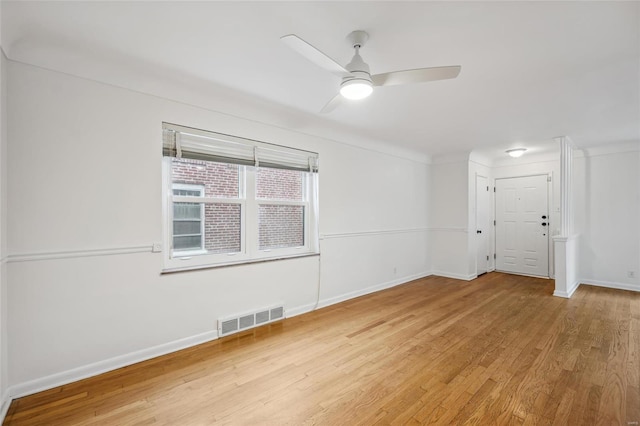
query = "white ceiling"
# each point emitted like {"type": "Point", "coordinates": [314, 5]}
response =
{"type": "Point", "coordinates": [530, 70]}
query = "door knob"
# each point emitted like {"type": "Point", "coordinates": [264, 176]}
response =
{"type": "Point", "coordinates": [544, 223]}
{"type": "Point", "coordinates": [478, 232]}
{"type": "Point", "coordinates": [544, 216]}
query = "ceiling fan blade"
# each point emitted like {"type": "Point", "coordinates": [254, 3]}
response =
{"type": "Point", "coordinates": [419, 75]}
{"type": "Point", "coordinates": [332, 104]}
{"type": "Point", "coordinates": [314, 55]}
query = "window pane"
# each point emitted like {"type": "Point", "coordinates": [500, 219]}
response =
{"type": "Point", "coordinates": [222, 228]}
{"type": "Point", "coordinates": [275, 184]}
{"type": "Point", "coordinates": [186, 211]}
{"type": "Point", "coordinates": [280, 226]}
{"type": "Point", "coordinates": [218, 179]}
{"type": "Point", "coordinates": [187, 192]}
{"type": "Point", "coordinates": [187, 227]}
{"type": "Point", "coordinates": [187, 243]}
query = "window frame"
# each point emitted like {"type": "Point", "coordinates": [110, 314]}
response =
{"type": "Point", "coordinates": [249, 226]}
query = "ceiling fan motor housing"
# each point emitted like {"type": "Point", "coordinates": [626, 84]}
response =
{"type": "Point", "coordinates": [358, 84]}
{"type": "Point", "coordinates": [358, 68]}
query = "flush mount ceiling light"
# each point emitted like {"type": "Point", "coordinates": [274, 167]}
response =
{"type": "Point", "coordinates": [516, 152]}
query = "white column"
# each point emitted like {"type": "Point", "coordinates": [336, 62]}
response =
{"type": "Point", "coordinates": [566, 243]}
{"type": "Point", "coordinates": [566, 163]}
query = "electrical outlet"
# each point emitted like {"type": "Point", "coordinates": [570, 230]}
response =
{"type": "Point", "coordinates": [156, 248]}
{"type": "Point", "coordinates": [631, 274]}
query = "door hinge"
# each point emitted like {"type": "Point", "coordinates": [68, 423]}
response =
{"type": "Point", "coordinates": [487, 258]}
{"type": "Point", "coordinates": [494, 223]}
{"type": "Point", "coordinates": [487, 188]}
{"type": "Point", "coordinates": [494, 255]}
{"type": "Point", "coordinates": [494, 189]}
{"type": "Point", "coordinates": [548, 178]}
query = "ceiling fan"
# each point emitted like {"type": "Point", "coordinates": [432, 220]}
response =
{"type": "Point", "coordinates": [357, 81]}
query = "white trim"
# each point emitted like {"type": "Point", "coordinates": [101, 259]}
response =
{"type": "Point", "coordinates": [526, 160]}
{"type": "Point", "coordinates": [610, 284]}
{"type": "Point", "coordinates": [464, 230]}
{"type": "Point", "coordinates": [242, 262]}
{"type": "Point", "coordinates": [68, 254]}
{"type": "Point", "coordinates": [90, 370]}
{"type": "Point", "coordinates": [372, 233]}
{"type": "Point", "coordinates": [549, 175]}
{"type": "Point", "coordinates": [458, 157]}
{"type": "Point", "coordinates": [454, 275]}
{"type": "Point", "coordinates": [6, 403]}
{"type": "Point", "coordinates": [351, 295]}
{"type": "Point", "coordinates": [607, 149]}
{"type": "Point", "coordinates": [302, 309]}
{"type": "Point", "coordinates": [569, 293]}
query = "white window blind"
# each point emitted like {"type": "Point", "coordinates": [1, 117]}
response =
{"type": "Point", "coordinates": [195, 144]}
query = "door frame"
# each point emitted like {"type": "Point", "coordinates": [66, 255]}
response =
{"type": "Point", "coordinates": [550, 254]}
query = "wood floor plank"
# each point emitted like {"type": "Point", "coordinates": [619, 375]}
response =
{"type": "Point", "coordinates": [497, 350]}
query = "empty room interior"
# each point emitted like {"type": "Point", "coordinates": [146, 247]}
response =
{"type": "Point", "coordinates": [331, 213]}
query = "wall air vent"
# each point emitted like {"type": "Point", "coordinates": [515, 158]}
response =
{"type": "Point", "coordinates": [277, 313]}
{"type": "Point", "coordinates": [249, 320]}
{"type": "Point", "coordinates": [262, 317]}
{"type": "Point", "coordinates": [229, 326]}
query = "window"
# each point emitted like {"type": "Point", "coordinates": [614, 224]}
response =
{"type": "Point", "coordinates": [230, 200]}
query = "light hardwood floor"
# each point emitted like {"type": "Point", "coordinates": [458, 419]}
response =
{"type": "Point", "coordinates": [497, 350]}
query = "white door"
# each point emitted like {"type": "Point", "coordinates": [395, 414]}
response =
{"type": "Point", "coordinates": [482, 225]}
{"type": "Point", "coordinates": [522, 225]}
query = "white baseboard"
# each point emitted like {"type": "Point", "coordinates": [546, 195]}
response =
{"type": "Point", "coordinates": [454, 275]}
{"type": "Point", "coordinates": [6, 402]}
{"type": "Point", "coordinates": [341, 298]}
{"type": "Point", "coordinates": [299, 310]}
{"type": "Point", "coordinates": [609, 284]}
{"type": "Point", "coordinates": [567, 294]}
{"type": "Point", "coordinates": [90, 370]}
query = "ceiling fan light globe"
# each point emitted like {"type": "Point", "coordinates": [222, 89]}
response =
{"type": "Point", "coordinates": [356, 89]}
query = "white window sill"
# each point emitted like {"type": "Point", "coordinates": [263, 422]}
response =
{"type": "Point", "coordinates": [171, 270]}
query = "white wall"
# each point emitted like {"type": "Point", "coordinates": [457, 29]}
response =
{"type": "Point", "coordinates": [4, 400]}
{"type": "Point", "coordinates": [607, 215]}
{"type": "Point", "coordinates": [449, 215]}
{"type": "Point", "coordinates": [84, 192]}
